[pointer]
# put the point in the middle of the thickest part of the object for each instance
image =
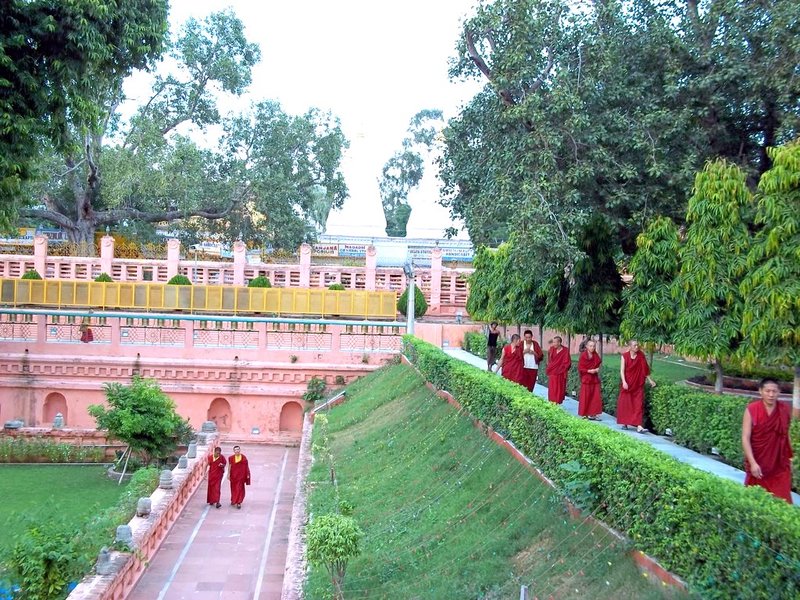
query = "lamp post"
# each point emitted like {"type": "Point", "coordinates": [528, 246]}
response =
{"type": "Point", "coordinates": [408, 268]}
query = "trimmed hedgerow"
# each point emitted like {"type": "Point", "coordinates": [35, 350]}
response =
{"type": "Point", "coordinates": [336, 287]}
{"type": "Point", "coordinates": [103, 278]}
{"type": "Point", "coordinates": [718, 535]}
{"type": "Point", "coordinates": [702, 421]}
{"type": "Point", "coordinates": [179, 280]}
{"type": "Point", "coordinates": [259, 282]}
{"type": "Point", "coordinates": [31, 274]}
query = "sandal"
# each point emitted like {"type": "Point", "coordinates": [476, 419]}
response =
{"type": "Point", "coordinates": [595, 418]}
{"type": "Point", "coordinates": [641, 429]}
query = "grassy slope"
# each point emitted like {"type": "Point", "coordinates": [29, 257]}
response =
{"type": "Point", "coordinates": [447, 513]}
{"type": "Point", "coordinates": [76, 491]}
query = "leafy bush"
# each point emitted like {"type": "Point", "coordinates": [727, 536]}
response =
{"type": "Point", "coordinates": [32, 274]}
{"type": "Point", "coordinates": [179, 280]}
{"type": "Point", "coordinates": [717, 534]}
{"type": "Point", "coordinates": [259, 282]}
{"type": "Point", "coordinates": [735, 368]}
{"type": "Point", "coordinates": [39, 449]}
{"type": "Point", "coordinates": [332, 540]}
{"type": "Point", "coordinates": [103, 278]}
{"type": "Point", "coordinates": [142, 416]}
{"type": "Point", "coordinates": [420, 304]}
{"type": "Point", "coordinates": [316, 390]}
{"type": "Point", "coordinates": [336, 287]}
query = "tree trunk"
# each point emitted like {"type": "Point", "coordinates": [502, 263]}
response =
{"type": "Point", "coordinates": [600, 344]}
{"type": "Point", "coordinates": [796, 393]}
{"type": "Point", "coordinates": [718, 380]}
{"type": "Point", "coordinates": [541, 334]}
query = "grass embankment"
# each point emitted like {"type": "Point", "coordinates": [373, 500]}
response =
{"type": "Point", "coordinates": [76, 492]}
{"type": "Point", "coordinates": [447, 513]}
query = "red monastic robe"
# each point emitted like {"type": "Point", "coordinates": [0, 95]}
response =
{"type": "Point", "coordinates": [769, 438]}
{"type": "Point", "coordinates": [216, 469]}
{"type": "Point", "coordinates": [239, 474]}
{"type": "Point", "coordinates": [590, 401]}
{"type": "Point", "coordinates": [630, 405]}
{"type": "Point", "coordinates": [558, 364]}
{"type": "Point", "coordinates": [512, 363]}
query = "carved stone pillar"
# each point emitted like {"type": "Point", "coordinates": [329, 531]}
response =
{"type": "Point", "coordinates": [106, 254]}
{"type": "Point", "coordinates": [305, 266]}
{"type": "Point", "coordinates": [40, 254]}
{"type": "Point", "coordinates": [436, 280]}
{"type": "Point", "coordinates": [239, 262]}
{"type": "Point", "coordinates": [372, 267]}
{"type": "Point", "coordinates": [173, 258]}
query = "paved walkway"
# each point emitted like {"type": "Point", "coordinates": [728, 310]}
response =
{"type": "Point", "coordinates": [698, 461]}
{"type": "Point", "coordinates": [229, 554]}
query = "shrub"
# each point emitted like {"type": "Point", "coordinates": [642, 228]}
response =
{"type": "Point", "coordinates": [179, 280]}
{"type": "Point", "coordinates": [103, 278]}
{"type": "Point", "coordinates": [259, 282]}
{"type": "Point", "coordinates": [332, 540]}
{"type": "Point", "coordinates": [420, 305]}
{"type": "Point", "coordinates": [38, 449]}
{"type": "Point", "coordinates": [336, 287]}
{"type": "Point", "coordinates": [316, 390]}
{"type": "Point", "coordinates": [32, 274]}
{"type": "Point", "coordinates": [734, 368]}
{"type": "Point", "coordinates": [717, 534]}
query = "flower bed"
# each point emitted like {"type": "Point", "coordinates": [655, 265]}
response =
{"type": "Point", "coordinates": [718, 535]}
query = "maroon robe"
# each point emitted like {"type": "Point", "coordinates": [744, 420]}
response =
{"type": "Point", "coordinates": [630, 405]}
{"type": "Point", "coordinates": [558, 364]}
{"type": "Point", "coordinates": [239, 474]}
{"type": "Point", "coordinates": [590, 401]}
{"type": "Point", "coordinates": [769, 439]}
{"type": "Point", "coordinates": [512, 363]}
{"type": "Point", "coordinates": [216, 469]}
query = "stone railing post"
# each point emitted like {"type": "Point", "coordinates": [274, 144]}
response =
{"type": "Point", "coordinates": [173, 257]}
{"type": "Point", "coordinates": [372, 267]}
{"type": "Point", "coordinates": [239, 262]}
{"type": "Point", "coordinates": [436, 280]}
{"type": "Point", "coordinates": [106, 254]}
{"type": "Point", "coordinates": [40, 254]}
{"type": "Point", "coordinates": [305, 266]}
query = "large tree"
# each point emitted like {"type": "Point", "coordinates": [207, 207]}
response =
{"type": "Point", "coordinates": [612, 107]}
{"type": "Point", "coordinates": [405, 169]}
{"type": "Point", "coordinates": [54, 57]}
{"type": "Point", "coordinates": [264, 175]}
{"type": "Point", "coordinates": [712, 265]}
{"type": "Point", "coordinates": [771, 289]}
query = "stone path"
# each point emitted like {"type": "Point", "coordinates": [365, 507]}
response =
{"type": "Point", "coordinates": [698, 461]}
{"type": "Point", "coordinates": [229, 554]}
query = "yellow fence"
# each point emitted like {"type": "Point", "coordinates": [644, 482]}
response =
{"type": "Point", "coordinates": [198, 298]}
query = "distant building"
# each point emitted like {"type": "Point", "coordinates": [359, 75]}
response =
{"type": "Point", "coordinates": [394, 251]}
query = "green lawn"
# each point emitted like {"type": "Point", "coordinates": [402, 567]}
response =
{"type": "Point", "coordinates": [449, 514]}
{"type": "Point", "coordinates": [74, 491]}
{"type": "Point", "coordinates": [669, 368]}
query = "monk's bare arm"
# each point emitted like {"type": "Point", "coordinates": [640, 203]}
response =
{"type": "Point", "coordinates": [747, 427]}
{"type": "Point", "coordinates": [622, 371]}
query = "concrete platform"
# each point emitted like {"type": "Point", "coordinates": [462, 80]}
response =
{"type": "Point", "coordinates": [699, 461]}
{"type": "Point", "coordinates": [226, 553]}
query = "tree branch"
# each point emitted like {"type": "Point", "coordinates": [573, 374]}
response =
{"type": "Point", "coordinates": [115, 216]}
{"type": "Point", "coordinates": [475, 56]}
{"type": "Point", "coordinates": [48, 215]}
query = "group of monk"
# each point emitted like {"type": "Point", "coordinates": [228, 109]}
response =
{"type": "Point", "coordinates": [238, 475]}
{"type": "Point", "coordinates": [765, 425]}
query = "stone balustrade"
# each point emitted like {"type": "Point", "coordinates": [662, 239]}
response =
{"type": "Point", "coordinates": [445, 289]}
{"type": "Point", "coordinates": [125, 568]}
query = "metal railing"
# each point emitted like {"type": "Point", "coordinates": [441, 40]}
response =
{"type": "Point", "coordinates": [198, 298]}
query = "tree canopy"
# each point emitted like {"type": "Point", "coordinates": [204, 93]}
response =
{"type": "Point", "coordinates": [612, 107]}
{"type": "Point", "coordinates": [55, 56]}
{"type": "Point", "coordinates": [262, 175]}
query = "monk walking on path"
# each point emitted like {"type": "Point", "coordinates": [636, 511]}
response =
{"type": "Point", "coordinates": [765, 441]}
{"type": "Point", "coordinates": [239, 474]}
{"type": "Point", "coordinates": [216, 470]}
{"type": "Point", "coordinates": [558, 365]}
{"type": "Point", "coordinates": [633, 372]}
{"type": "Point", "coordinates": [532, 355]}
{"type": "Point", "coordinates": [511, 361]}
{"type": "Point", "coordinates": [590, 401]}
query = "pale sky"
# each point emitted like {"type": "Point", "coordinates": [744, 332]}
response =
{"type": "Point", "coordinates": [374, 64]}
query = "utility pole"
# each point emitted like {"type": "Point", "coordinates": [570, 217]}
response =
{"type": "Point", "coordinates": [409, 271]}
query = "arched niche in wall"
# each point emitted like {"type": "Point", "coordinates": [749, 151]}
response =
{"type": "Point", "coordinates": [291, 417]}
{"type": "Point", "coordinates": [54, 403]}
{"type": "Point", "coordinates": [219, 411]}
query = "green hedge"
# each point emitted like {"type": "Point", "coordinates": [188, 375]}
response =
{"type": "Point", "coordinates": [39, 449]}
{"type": "Point", "coordinates": [718, 535]}
{"type": "Point", "coordinates": [702, 421]}
{"type": "Point", "coordinates": [734, 368]}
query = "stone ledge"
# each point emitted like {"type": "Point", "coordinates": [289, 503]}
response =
{"type": "Point", "coordinates": [148, 534]}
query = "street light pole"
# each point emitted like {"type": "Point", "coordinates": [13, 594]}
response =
{"type": "Point", "coordinates": [409, 270]}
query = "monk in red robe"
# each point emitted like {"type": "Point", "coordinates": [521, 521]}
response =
{"type": "Point", "coordinates": [558, 365]}
{"type": "Point", "coordinates": [511, 360]}
{"type": "Point", "coordinates": [765, 441]}
{"type": "Point", "coordinates": [590, 401]}
{"type": "Point", "coordinates": [216, 469]}
{"type": "Point", "coordinates": [239, 475]}
{"type": "Point", "coordinates": [633, 372]}
{"type": "Point", "coordinates": [532, 355]}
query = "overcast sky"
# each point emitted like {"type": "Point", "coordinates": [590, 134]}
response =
{"type": "Point", "coordinates": [374, 64]}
